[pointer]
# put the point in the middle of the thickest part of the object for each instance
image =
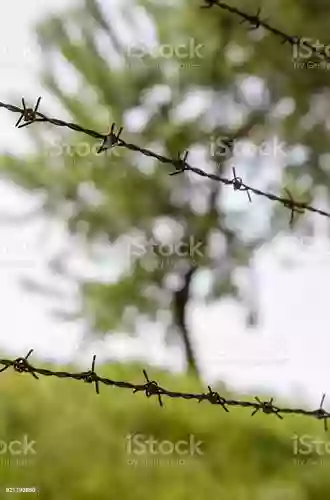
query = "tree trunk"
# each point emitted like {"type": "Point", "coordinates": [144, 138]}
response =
{"type": "Point", "coordinates": [181, 298]}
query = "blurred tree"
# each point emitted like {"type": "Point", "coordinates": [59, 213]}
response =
{"type": "Point", "coordinates": [234, 83]}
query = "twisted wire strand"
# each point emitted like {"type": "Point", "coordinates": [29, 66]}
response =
{"type": "Point", "coordinates": [112, 140]}
{"type": "Point", "coordinates": [152, 388]}
{"type": "Point", "coordinates": [255, 22]}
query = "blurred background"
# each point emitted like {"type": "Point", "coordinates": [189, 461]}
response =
{"type": "Point", "coordinates": [91, 257]}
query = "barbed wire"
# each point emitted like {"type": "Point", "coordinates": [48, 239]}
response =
{"type": "Point", "coordinates": [256, 22]}
{"type": "Point", "coordinates": [152, 388]}
{"type": "Point", "coordinates": [111, 140]}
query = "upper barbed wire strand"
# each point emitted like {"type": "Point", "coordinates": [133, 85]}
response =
{"type": "Point", "coordinates": [256, 22]}
{"type": "Point", "coordinates": [179, 163]}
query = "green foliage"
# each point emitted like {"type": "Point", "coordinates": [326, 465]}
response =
{"type": "Point", "coordinates": [81, 443]}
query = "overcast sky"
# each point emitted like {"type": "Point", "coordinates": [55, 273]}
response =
{"type": "Point", "coordinates": [288, 351]}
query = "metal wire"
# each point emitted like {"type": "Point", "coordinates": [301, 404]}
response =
{"type": "Point", "coordinates": [152, 388]}
{"type": "Point", "coordinates": [112, 140]}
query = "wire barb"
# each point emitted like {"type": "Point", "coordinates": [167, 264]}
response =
{"type": "Point", "coordinates": [238, 184]}
{"type": "Point", "coordinates": [28, 115]}
{"type": "Point", "coordinates": [151, 388]}
{"type": "Point", "coordinates": [90, 376]}
{"type": "Point", "coordinates": [266, 407]}
{"type": "Point", "coordinates": [255, 21]}
{"type": "Point", "coordinates": [180, 164]}
{"type": "Point", "coordinates": [110, 140]}
{"type": "Point", "coordinates": [321, 414]}
{"type": "Point", "coordinates": [22, 365]}
{"type": "Point", "coordinates": [214, 398]}
{"type": "Point", "coordinates": [292, 205]}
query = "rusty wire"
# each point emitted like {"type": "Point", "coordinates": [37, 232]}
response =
{"type": "Point", "coordinates": [152, 388]}
{"type": "Point", "coordinates": [112, 140]}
